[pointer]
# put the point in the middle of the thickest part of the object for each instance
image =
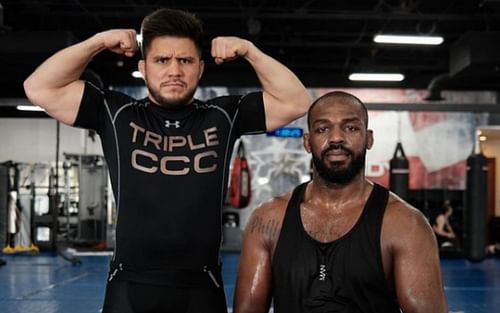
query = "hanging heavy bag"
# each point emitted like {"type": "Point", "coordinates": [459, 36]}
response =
{"type": "Point", "coordinates": [399, 172]}
{"type": "Point", "coordinates": [476, 201]}
{"type": "Point", "coordinates": [240, 184]}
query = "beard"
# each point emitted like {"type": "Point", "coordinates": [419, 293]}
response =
{"type": "Point", "coordinates": [333, 172]}
{"type": "Point", "coordinates": [171, 103]}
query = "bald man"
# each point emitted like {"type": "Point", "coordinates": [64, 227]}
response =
{"type": "Point", "coordinates": [339, 243]}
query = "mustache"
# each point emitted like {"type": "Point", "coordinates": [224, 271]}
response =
{"type": "Point", "coordinates": [335, 146]}
{"type": "Point", "coordinates": [176, 81]}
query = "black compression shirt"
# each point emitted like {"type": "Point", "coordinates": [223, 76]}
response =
{"type": "Point", "coordinates": [344, 276]}
{"type": "Point", "coordinates": [168, 170]}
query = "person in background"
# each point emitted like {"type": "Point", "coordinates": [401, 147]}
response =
{"type": "Point", "coordinates": [445, 235]}
{"type": "Point", "coordinates": [493, 249]}
{"type": "Point", "coordinates": [339, 243]}
{"type": "Point", "coordinates": [168, 153]}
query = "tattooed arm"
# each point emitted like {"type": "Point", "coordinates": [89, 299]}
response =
{"type": "Point", "coordinates": [253, 284]}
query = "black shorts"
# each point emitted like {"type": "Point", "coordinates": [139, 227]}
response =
{"type": "Point", "coordinates": [132, 297]}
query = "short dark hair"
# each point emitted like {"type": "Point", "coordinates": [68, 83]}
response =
{"type": "Point", "coordinates": [171, 22]}
{"type": "Point", "coordinates": [339, 96]}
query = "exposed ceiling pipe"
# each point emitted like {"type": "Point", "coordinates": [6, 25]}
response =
{"type": "Point", "coordinates": [280, 14]}
{"type": "Point", "coordinates": [3, 28]}
{"type": "Point", "coordinates": [1, 15]}
{"type": "Point", "coordinates": [435, 87]}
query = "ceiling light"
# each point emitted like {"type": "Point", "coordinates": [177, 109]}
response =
{"type": "Point", "coordinates": [409, 40]}
{"type": "Point", "coordinates": [388, 77]}
{"type": "Point", "coordinates": [29, 108]}
{"type": "Point", "coordinates": [136, 74]}
{"type": "Point", "coordinates": [483, 138]}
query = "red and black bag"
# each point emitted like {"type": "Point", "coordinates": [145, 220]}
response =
{"type": "Point", "coordinates": [240, 188]}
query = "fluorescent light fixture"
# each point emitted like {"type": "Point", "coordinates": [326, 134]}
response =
{"type": "Point", "coordinates": [409, 40]}
{"type": "Point", "coordinates": [31, 108]}
{"type": "Point", "coordinates": [483, 138]}
{"type": "Point", "coordinates": [387, 77]}
{"type": "Point", "coordinates": [137, 74]}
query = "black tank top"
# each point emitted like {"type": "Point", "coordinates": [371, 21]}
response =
{"type": "Point", "coordinates": [345, 275]}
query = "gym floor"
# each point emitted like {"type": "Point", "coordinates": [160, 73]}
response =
{"type": "Point", "coordinates": [46, 283]}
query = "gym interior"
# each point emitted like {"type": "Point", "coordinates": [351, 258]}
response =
{"type": "Point", "coordinates": [436, 130]}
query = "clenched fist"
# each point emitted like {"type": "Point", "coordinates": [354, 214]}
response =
{"type": "Point", "coordinates": [121, 41]}
{"type": "Point", "coordinates": [229, 48]}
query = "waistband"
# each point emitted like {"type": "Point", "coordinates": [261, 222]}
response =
{"type": "Point", "coordinates": [203, 277]}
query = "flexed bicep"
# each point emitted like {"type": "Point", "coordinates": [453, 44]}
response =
{"type": "Point", "coordinates": [56, 86]}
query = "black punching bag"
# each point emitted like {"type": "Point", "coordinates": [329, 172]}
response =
{"type": "Point", "coordinates": [398, 179]}
{"type": "Point", "coordinates": [476, 195]}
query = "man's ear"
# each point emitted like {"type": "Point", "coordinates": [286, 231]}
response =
{"type": "Point", "coordinates": [305, 140]}
{"type": "Point", "coordinates": [142, 68]}
{"type": "Point", "coordinates": [369, 139]}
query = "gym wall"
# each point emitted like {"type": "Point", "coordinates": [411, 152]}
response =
{"type": "Point", "coordinates": [436, 143]}
{"type": "Point", "coordinates": [34, 140]}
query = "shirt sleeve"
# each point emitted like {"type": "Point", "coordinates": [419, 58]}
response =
{"type": "Point", "coordinates": [252, 115]}
{"type": "Point", "coordinates": [90, 112]}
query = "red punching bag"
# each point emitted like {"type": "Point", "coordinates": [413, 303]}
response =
{"type": "Point", "coordinates": [240, 184]}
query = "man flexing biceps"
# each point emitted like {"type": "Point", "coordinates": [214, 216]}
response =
{"type": "Point", "coordinates": [168, 153]}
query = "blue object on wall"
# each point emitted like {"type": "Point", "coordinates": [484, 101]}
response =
{"type": "Point", "coordinates": [292, 132]}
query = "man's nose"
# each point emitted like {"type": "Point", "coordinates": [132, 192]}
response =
{"type": "Point", "coordinates": [175, 68]}
{"type": "Point", "coordinates": [336, 136]}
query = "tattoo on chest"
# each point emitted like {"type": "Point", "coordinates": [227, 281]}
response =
{"type": "Point", "coordinates": [269, 227]}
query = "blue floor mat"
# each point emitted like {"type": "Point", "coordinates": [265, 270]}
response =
{"type": "Point", "coordinates": [46, 283]}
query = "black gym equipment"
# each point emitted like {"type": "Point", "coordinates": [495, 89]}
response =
{"type": "Point", "coordinates": [399, 172]}
{"type": "Point", "coordinates": [476, 197]}
{"type": "Point", "coordinates": [44, 226]}
{"type": "Point", "coordinates": [4, 176]}
{"type": "Point", "coordinates": [18, 234]}
{"type": "Point", "coordinates": [62, 251]}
